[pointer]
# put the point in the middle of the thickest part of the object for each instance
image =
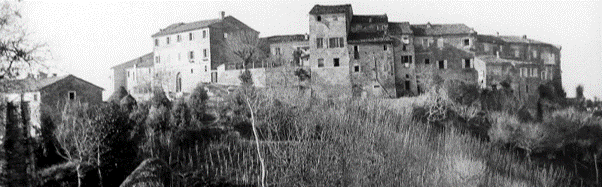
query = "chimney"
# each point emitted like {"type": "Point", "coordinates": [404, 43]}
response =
{"type": "Point", "coordinates": [222, 14]}
{"type": "Point", "coordinates": [428, 25]}
{"type": "Point", "coordinates": [497, 34]}
{"type": "Point", "coordinates": [524, 36]}
{"type": "Point", "coordinates": [497, 53]}
{"type": "Point", "coordinates": [306, 36]}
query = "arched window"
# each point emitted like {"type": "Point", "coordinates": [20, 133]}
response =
{"type": "Point", "coordinates": [179, 82]}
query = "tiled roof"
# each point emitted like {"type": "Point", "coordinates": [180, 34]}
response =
{"type": "Point", "coordinates": [359, 37]}
{"type": "Point", "coordinates": [489, 39]}
{"type": "Point", "coordinates": [519, 39]}
{"type": "Point", "coordinates": [30, 84]}
{"type": "Point", "coordinates": [331, 9]}
{"type": "Point", "coordinates": [286, 38]}
{"type": "Point", "coordinates": [369, 19]}
{"type": "Point", "coordinates": [146, 60]}
{"type": "Point", "coordinates": [397, 28]}
{"type": "Point", "coordinates": [183, 27]}
{"type": "Point", "coordinates": [440, 29]}
{"type": "Point", "coordinates": [492, 59]}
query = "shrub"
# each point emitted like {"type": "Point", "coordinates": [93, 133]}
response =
{"type": "Point", "coordinates": [180, 115]}
{"type": "Point", "coordinates": [160, 99]}
{"type": "Point", "coordinates": [118, 95]}
{"type": "Point", "coordinates": [198, 104]}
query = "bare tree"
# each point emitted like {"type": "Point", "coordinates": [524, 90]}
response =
{"type": "Point", "coordinates": [78, 139]}
{"type": "Point", "coordinates": [245, 44]}
{"type": "Point", "coordinates": [17, 52]}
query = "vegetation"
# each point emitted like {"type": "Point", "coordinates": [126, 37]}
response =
{"type": "Point", "coordinates": [453, 135]}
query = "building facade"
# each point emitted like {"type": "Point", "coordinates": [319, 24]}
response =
{"type": "Point", "coordinates": [187, 54]}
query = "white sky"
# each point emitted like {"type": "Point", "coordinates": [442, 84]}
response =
{"type": "Point", "coordinates": [87, 38]}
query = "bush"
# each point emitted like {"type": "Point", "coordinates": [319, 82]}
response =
{"type": "Point", "coordinates": [118, 95]}
{"type": "Point", "coordinates": [198, 104]}
{"type": "Point", "coordinates": [160, 99]}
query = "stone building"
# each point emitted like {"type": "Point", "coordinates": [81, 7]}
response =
{"type": "Point", "coordinates": [329, 59]}
{"type": "Point", "coordinates": [519, 62]}
{"type": "Point", "coordinates": [187, 54]}
{"type": "Point", "coordinates": [135, 75]}
{"type": "Point", "coordinates": [53, 92]}
{"type": "Point", "coordinates": [372, 59]}
{"type": "Point", "coordinates": [282, 48]}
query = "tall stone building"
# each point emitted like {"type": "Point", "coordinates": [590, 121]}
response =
{"type": "Point", "coordinates": [329, 59]}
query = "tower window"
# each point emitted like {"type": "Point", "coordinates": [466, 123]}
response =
{"type": "Point", "coordinates": [356, 68]}
{"type": "Point", "coordinates": [319, 18]}
{"type": "Point", "coordinates": [466, 42]}
{"type": "Point", "coordinates": [321, 62]}
{"type": "Point", "coordinates": [335, 62]}
{"type": "Point", "coordinates": [427, 61]}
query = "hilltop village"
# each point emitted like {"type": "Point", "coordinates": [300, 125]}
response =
{"type": "Point", "coordinates": [353, 55]}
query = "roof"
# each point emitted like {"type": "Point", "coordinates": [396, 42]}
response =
{"type": "Point", "coordinates": [370, 19]}
{"type": "Point", "coordinates": [146, 60]}
{"type": "Point", "coordinates": [183, 27]}
{"type": "Point", "coordinates": [492, 59]}
{"type": "Point", "coordinates": [510, 39]}
{"type": "Point", "coordinates": [331, 9]}
{"type": "Point", "coordinates": [286, 38]}
{"type": "Point", "coordinates": [396, 28]}
{"type": "Point", "coordinates": [360, 37]}
{"type": "Point", "coordinates": [519, 39]}
{"type": "Point", "coordinates": [30, 84]}
{"type": "Point", "coordinates": [440, 29]}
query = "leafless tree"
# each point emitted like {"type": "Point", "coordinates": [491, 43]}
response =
{"type": "Point", "coordinates": [245, 44]}
{"type": "Point", "coordinates": [17, 52]}
{"type": "Point", "coordinates": [78, 139]}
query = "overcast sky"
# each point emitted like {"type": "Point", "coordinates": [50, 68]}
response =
{"type": "Point", "coordinates": [88, 38]}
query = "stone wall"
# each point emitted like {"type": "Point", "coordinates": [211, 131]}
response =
{"type": "Point", "coordinates": [56, 95]}
{"type": "Point", "coordinates": [376, 75]}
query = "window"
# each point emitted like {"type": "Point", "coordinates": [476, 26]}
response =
{"type": "Point", "coordinates": [35, 97]}
{"type": "Point", "coordinates": [333, 43]}
{"type": "Point", "coordinates": [71, 95]}
{"type": "Point", "coordinates": [356, 52]}
{"type": "Point", "coordinates": [191, 71]}
{"type": "Point", "coordinates": [442, 64]}
{"type": "Point", "coordinates": [467, 63]}
{"type": "Point", "coordinates": [406, 60]}
{"type": "Point", "coordinates": [320, 62]}
{"type": "Point", "coordinates": [440, 42]}
{"type": "Point", "coordinates": [404, 48]}
{"type": "Point", "coordinates": [190, 36]}
{"type": "Point", "coordinates": [128, 73]}
{"type": "Point", "coordinates": [191, 55]}
{"type": "Point", "coordinates": [425, 42]}
{"type": "Point", "coordinates": [427, 61]}
{"type": "Point", "coordinates": [534, 53]}
{"type": "Point", "coordinates": [527, 88]}
{"type": "Point", "coordinates": [376, 86]}
{"type": "Point", "coordinates": [179, 56]}
{"type": "Point", "coordinates": [544, 75]}
{"type": "Point", "coordinates": [204, 34]}
{"type": "Point", "coordinates": [356, 68]}
{"type": "Point", "coordinates": [335, 62]}
{"type": "Point", "coordinates": [213, 76]}
{"type": "Point", "coordinates": [179, 38]}
{"type": "Point", "coordinates": [318, 18]}
{"type": "Point", "coordinates": [277, 51]}
{"type": "Point", "coordinates": [319, 43]}
{"type": "Point", "coordinates": [205, 68]}
{"type": "Point", "coordinates": [205, 53]}
{"type": "Point", "coordinates": [406, 40]}
{"type": "Point", "coordinates": [167, 40]}
{"type": "Point", "coordinates": [158, 59]}
{"type": "Point", "coordinates": [225, 35]}
{"type": "Point", "coordinates": [156, 42]}
{"type": "Point", "coordinates": [516, 53]}
{"type": "Point", "coordinates": [466, 42]}
{"type": "Point", "coordinates": [534, 73]}
{"type": "Point", "coordinates": [407, 85]}
{"type": "Point", "coordinates": [385, 47]}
